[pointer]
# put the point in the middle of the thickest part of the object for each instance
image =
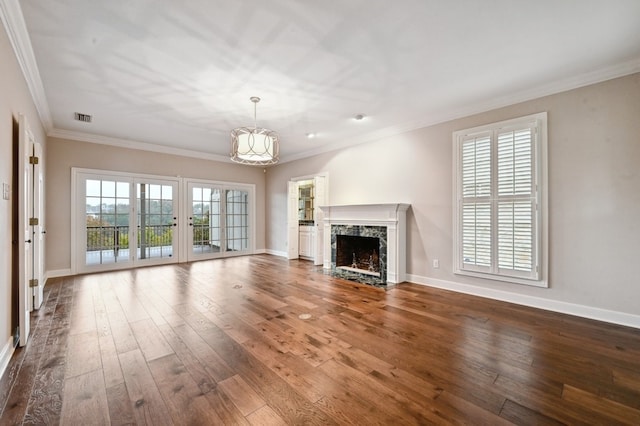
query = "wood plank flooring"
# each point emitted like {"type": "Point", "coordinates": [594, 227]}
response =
{"type": "Point", "coordinates": [226, 342]}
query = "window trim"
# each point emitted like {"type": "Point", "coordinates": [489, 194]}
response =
{"type": "Point", "coordinates": [541, 239]}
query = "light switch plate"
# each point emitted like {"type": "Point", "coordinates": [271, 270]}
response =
{"type": "Point", "coordinates": [6, 191]}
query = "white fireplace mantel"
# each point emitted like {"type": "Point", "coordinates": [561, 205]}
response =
{"type": "Point", "coordinates": [391, 215]}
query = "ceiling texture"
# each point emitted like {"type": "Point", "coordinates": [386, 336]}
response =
{"type": "Point", "coordinates": [176, 76]}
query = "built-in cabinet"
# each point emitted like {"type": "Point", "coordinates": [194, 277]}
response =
{"type": "Point", "coordinates": [304, 218]}
{"type": "Point", "coordinates": [305, 203]}
{"type": "Point", "coordinates": [306, 241]}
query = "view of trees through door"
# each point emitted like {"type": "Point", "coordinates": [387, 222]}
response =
{"type": "Point", "coordinates": [156, 220]}
{"type": "Point", "coordinates": [127, 220]}
{"type": "Point", "coordinates": [205, 220]}
{"type": "Point", "coordinates": [107, 217]}
{"type": "Point", "coordinates": [219, 220]}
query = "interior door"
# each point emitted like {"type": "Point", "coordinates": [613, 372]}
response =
{"type": "Point", "coordinates": [205, 219]}
{"type": "Point", "coordinates": [38, 232]}
{"type": "Point", "coordinates": [156, 221]}
{"type": "Point", "coordinates": [25, 199]}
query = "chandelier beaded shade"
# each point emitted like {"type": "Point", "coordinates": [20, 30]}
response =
{"type": "Point", "coordinates": [254, 145]}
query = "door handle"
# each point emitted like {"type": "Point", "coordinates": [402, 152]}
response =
{"type": "Point", "coordinates": [28, 241]}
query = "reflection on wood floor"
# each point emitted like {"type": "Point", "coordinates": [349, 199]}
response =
{"type": "Point", "coordinates": [262, 340]}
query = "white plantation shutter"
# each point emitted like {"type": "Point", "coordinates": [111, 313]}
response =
{"type": "Point", "coordinates": [516, 201]}
{"type": "Point", "coordinates": [476, 209]}
{"type": "Point", "coordinates": [498, 196]}
{"type": "Point", "coordinates": [476, 234]}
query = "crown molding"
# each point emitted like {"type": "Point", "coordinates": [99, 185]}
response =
{"type": "Point", "coordinates": [13, 21]}
{"type": "Point", "coordinates": [14, 24]}
{"type": "Point", "coordinates": [131, 144]}
{"type": "Point", "coordinates": [555, 87]}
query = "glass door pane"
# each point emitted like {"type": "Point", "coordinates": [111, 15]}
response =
{"type": "Point", "coordinates": [205, 221]}
{"type": "Point", "coordinates": [107, 213]}
{"type": "Point", "coordinates": [237, 220]}
{"type": "Point", "coordinates": [156, 220]}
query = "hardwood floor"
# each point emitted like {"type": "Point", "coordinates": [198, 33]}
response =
{"type": "Point", "coordinates": [226, 342]}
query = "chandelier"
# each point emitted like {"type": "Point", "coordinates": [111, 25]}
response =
{"type": "Point", "coordinates": [254, 145]}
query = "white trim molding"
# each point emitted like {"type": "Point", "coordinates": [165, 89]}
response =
{"type": "Point", "coordinates": [277, 253]}
{"type": "Point", "coordinates": [56, 273]}
{"type": "Point", "coordinates": [132, 144]}
{"type": "Point", "coordinates": [5, 355]}
{"type": "Point", "coordinates": [620, 318]}
{"type": "Point", "coordinates": [13, 21]}
{"type": "Point", "coordinates": [393, 216]}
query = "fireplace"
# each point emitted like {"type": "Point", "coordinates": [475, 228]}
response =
{"type": "Point", "coordinates": [358, 254]}
{"type": "Point", "coordinates": [367, 242]}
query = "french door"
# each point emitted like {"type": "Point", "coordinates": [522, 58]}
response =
{"type": "Point", "coordinates": [219, 219]}
{"type": "Point", "coordinates": [123, 220]}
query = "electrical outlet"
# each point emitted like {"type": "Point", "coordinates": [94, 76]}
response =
{"type": "Point", "coordinates": [6, 191]}
{"type": "Point", "coordinates": [436, 263]}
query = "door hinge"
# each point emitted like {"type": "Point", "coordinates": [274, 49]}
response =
{"type": "Point", "coordinates": [33, 221]}
{"type": "Point", "coordinates": [33, 283]}
{"type": "Point", "coordinates": [33, 160]}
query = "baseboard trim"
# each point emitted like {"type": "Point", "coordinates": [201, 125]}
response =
{"type": "Point", "coordinates": [276, 253]}
{"type": "Point", "coordinates": [58, 273]}
{"type": "Point", "coordinates": [5, 355]}
{"type": "Point", "coordinates": [583, 311]}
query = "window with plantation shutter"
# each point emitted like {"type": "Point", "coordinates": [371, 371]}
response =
{"type": "Point", "coordinates": [500, 201]}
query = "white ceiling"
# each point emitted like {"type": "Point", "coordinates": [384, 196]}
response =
{"type": "Point", "coordinates": [179, 74]}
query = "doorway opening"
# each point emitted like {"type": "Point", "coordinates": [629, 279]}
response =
{"type": "Point", "coordinates": [15, 237]}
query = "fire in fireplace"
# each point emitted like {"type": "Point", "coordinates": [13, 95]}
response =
{"type": "Point", "coordinates": [358, 254]}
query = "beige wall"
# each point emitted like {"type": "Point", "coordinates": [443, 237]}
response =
{"type": "Point", "coordinates": [594, 194]}
{"type": "Point", "coordinates": [62, 155]}
{"type": "Point", "coordinates": [15, 99]}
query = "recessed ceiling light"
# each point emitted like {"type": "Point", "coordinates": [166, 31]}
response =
{"type": "Point", "coordinates": [311, 135]}
{"type": "Point", "coordinates": [359, 117]}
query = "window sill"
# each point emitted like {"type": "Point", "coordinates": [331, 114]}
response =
{"type": "Point", "coordinates": [504, 278]}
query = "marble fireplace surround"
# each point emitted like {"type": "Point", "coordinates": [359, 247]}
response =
{"type": "Point", "coordinates": [393, 217]}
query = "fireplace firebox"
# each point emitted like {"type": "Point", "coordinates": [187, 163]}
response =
{"type": "Point", "coordinates": [358, 254]}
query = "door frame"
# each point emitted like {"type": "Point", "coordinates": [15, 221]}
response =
{"type": "Point", "coordinates": [292, 215]}
{"type": "Point", "coordinates": [38, 230]}
{"type": "Point", "coordinates": [25, 231]}
{"type": "Point", "coordinates": [78, 262]}
{"type": "Point", "coordinates": [181, 211]}
{"type": "Point", "coordinates": [185, 212]}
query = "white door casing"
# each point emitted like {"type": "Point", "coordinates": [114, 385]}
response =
{"type": "Point", "coordinates": [25, 259]}
{"type": "Point", "coordinates": [38, 232]}
{"type": "Point", "coordinates": [292, 220]}
{"type": "Point", "coordinates": [320, 192]}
